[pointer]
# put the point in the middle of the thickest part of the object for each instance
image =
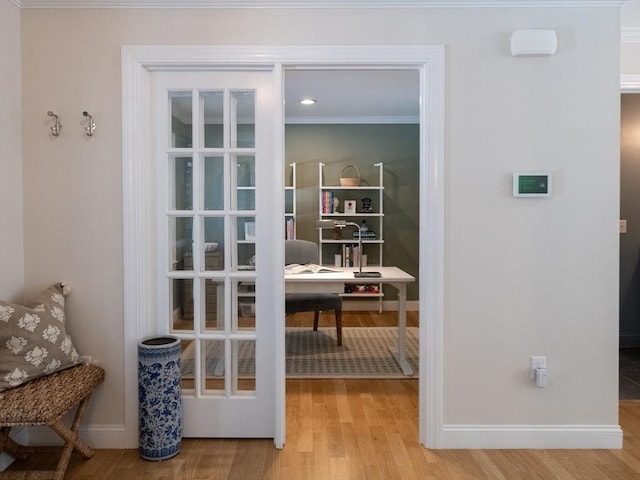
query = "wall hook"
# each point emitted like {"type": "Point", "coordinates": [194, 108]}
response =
{"type": "Point", "coordinates": [92, 126]}
{"type": "Point", "coordinates": [55, 129]}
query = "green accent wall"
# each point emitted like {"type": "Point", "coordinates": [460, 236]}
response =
{"type": "Point", "coordinates": [364, 145]}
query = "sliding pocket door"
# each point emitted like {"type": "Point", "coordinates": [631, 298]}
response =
{"type": "Point", "coordinates": [214, 150]}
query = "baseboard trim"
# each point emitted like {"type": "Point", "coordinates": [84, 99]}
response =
{"type": "Point", "coordinates": [452, 436]}
{"type": "Point", "coordinates": [531, 436]}
{"type": "Point", "coordinates": [97, 436]}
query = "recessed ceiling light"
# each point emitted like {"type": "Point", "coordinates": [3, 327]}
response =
{"type": "Point", "coordinates": [308, 101]}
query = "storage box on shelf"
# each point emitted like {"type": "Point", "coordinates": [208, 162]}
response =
{"type": "Point", "coordinates": [362, 203]}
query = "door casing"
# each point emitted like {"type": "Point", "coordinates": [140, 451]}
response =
{"type": "Point", "coordinates": [138, 65]}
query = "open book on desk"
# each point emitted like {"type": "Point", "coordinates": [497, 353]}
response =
{"type": "Point", "coordinates": [308, 268]}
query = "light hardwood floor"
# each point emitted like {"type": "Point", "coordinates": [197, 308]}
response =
{"type": "Point", "coordinates": [362, 429]}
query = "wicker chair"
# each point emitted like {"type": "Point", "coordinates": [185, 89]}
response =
{"type": "Point", "coordinates": [303, 251]}
{"type": "Point", "coordinates": [44, 401]}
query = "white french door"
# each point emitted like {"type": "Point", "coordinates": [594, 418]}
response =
{"type": "Point", "coordinates": [216, 226]}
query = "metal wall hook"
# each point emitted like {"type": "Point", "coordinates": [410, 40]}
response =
{"type": "Point", "coordinates": [92, 126]}
{"type": "Point", "coordinates": [55, 128]}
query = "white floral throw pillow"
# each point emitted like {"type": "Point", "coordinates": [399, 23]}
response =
{"type": "Point", "coordinates": [33, 340]}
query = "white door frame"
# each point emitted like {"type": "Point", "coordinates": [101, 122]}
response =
{"type": "Point", "coordinates": [138, 64]}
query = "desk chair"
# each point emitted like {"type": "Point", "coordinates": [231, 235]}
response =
{"type": "Point", "coordinates": [303, 251]}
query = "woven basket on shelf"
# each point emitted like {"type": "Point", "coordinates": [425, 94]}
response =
{"type": "Point", "coordinates": [350, 181]}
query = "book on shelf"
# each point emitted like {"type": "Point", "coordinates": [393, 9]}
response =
{"type": "Point", "coordinates": [371, 288]}
{"type": "Point", "coordinates": [351, 255]}
{"type": "Point", "coordinates": [328, 199]}
{"type": "Point", "coordinates": [295, 268]}
{"type": "Point", "coordinates": [290, 232]}
{"type": "Point", "coordinates": [365, 235]}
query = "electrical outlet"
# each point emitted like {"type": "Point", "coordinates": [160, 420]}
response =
{"type": "Point", "coordinates": [537, 362]}
{"type": "Point", "coordinates": [623, 226]}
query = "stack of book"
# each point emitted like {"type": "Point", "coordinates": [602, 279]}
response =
{"type": "Point", "coordinates": [368, 235]}
{"type": "Point", "coordinates": [327, 202]}
{"type": "Point", "coordinates": [290, 232]}
{"type": "Point", "coordinates": [350, 256]}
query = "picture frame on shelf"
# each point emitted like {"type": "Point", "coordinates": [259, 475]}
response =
{"type": "Point", "coordinates": [350, 207]}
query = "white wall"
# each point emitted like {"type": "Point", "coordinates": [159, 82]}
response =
{"type": "Point", "coordinates": [523, 277]}
{"type": "Point", "coordinates": [11, 240]}
{"type": "Point", "coordinates": [630, 48]}
{"type": "Point", "coordinates": [630, 14]}
{"type": "Point", "coordinates": [532, 276]}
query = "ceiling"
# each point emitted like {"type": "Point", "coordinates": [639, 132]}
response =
{"type": "Point", "coordinates": [342, 96]}
{"type": "Point", "coordinates": [352, 96]}
{"type": "Point", "coordinates": [308, 3]}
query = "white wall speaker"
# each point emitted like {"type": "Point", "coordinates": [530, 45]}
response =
{"type": "Point", "coordinates": [533, 42]}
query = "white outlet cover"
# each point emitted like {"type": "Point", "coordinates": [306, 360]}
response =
{"type": "Point", "coordinates": [536, 361]}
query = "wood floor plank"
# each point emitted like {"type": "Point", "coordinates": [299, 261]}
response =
{"type": "Point", "coordinates": [483, 467]}
{"type": "Point", "coordinates": [341, 429]}
{"type": "Point", "coordinates": [356, 450]}
{"type": "Point", "coordinates": [342, 402]}
{"type": "Point", "coordinates": [548, 459]}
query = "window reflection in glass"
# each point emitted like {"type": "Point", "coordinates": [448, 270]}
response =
{"type": "Point", "coordinates": [214, 243]}
{"type": "Point", "coordinates": [244, 365]}
{"type": "Point", "coordinates": [212, 105]}
{"type": "Point", "coordinates": [181, 295]}
{"type": "Point", "coordinates": [243, 134]}
{"type": "Point", "coordinates": [182, 183]}
{"type": "Point", "coordinates": [213, 183]}
{"type": "Point", "coordinates": [181, 245]}
{"type": "Point", "coordinates": [214, 368]}
{"type": "Point", "coordinates": [181, 119]}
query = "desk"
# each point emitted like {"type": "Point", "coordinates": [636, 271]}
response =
{"type": "Point", "coordinates": [334, 283]}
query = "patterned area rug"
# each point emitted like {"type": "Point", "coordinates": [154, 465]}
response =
{"type": "Point", "coordinates": [364, 354]}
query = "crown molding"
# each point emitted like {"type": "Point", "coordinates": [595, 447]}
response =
{"type": "Point", "coordinates": [313, 3]}
{"type": "Point", "coordinates": [337, 120]}
{"type": "Point", "coordinates": [630, 35]}
{"type": "Point", "coordinates": [630, 83]}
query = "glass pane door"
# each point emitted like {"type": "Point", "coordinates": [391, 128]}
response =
{"type": "Point", "coordinates": [212, 135]}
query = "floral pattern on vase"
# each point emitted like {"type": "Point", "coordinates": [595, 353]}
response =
{"type": "Point", "coordinates": [159, 398]}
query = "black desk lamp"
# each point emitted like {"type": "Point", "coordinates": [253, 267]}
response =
{"type": "Point", "coordinates": [341, 224]}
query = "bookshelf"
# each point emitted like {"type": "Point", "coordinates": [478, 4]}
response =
{"type": "Point", "coordinates": [290, 206]}
{"type": "Point", "coordinates": [358, 204]}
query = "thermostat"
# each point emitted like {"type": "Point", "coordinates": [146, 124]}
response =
{"type": "Point", "coordinates": [532, 184]}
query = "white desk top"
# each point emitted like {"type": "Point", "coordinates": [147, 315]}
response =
{"type": "Point", "coordinates": [389, 275]}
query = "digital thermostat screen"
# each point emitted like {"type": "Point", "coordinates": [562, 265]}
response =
{"type": "Point", "coordinates": [531, 184]}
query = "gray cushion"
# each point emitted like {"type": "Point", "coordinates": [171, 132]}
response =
{"type": "Point", "coordinates": [310, 302]}
{"type": "Point", "coordinates": [300, 251]}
